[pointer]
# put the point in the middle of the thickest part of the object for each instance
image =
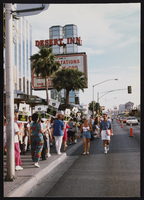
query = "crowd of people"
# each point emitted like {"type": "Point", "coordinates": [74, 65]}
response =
{"type": "Point", "coordinates": [38, 135]}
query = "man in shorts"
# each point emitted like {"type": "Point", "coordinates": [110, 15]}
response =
{"type": "Point", "coordinates": [104, 126]}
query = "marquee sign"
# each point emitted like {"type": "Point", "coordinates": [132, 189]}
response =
{"type": "Point", "coordinates": [72, 61]}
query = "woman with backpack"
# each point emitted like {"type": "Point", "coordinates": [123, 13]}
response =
{"type": "Point", "coordinates": [86, 135]}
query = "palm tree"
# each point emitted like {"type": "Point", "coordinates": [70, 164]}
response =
{"type": "Point", "coordinates": [44, 64]}
{"type": "Point", "coordinates": [69, 79]}
{"type": "Point", "coordinates": [91, 107]}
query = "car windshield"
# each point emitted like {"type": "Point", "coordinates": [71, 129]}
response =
{"type": "Point", "coordinates": [131, 118]}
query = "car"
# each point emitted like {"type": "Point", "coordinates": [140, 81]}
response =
{"type": "Point", "coordinates": [138, 118]}
{"type": "Point", "coordinates": [133, 120]}
{"type": "Point", "coordinates": [124, 119]}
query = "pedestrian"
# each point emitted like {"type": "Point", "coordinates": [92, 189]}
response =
{"type": "Point", "coordinates": [21, 133]}
{"type": "Point", "coordinates": [65, 134]}
{"type": "Point", "coordinates": [44, 129]}
{"type": "Point", "coordinates": [48, 137]}
{"type": "Point", "coordinates": [58, 132]}
{"type": "Point", "coordinates": [5, 148]}
{"type": "Point", "coordinates": [91, 120]}
{"type": "Point", "coordinates": [17, 149]}
{"type": "Point", "coordinates": [105, 125]}
{"type": "Point", "coordinates": [95, 127]}
{"type": "Point", "coordinates": [30, 121]}
{"type": "Point", "coordinates": [50, 127]}
{"type": "Point", "coordinates": [25, 137]}
{"type": "Point", "coordinates": [36, 139]}
{"type": "Point", "coordinates": [86, 135]}
{"type": "Point", "coordinates": [71, 131]}
{"type": "Point", "coordinates": [76, 134]}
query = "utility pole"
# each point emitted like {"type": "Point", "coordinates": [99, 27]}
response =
{"type": "Point", "coordinates": [9, 96]}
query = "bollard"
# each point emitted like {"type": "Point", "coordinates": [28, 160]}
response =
{"type": "Point", "coordinates": [121, 124]}
{"type": "Point", "coordinates": [131, 130]}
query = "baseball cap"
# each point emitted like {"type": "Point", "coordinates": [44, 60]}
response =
{"type": "Point", "coordinates": [16, 111]}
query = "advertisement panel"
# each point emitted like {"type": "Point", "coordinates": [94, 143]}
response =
{"type": "Point", "coordinates": [72, 61]}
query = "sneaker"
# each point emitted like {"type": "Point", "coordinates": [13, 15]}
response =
{"type": "Point", "coordinates": [36, 165]}
{"type": "Point", "coordinates": [18, 168]}
{"type": "Point", "coordinates": [75, 142]}
{"type": "Point", "coordinates": [66, 145]}
{"type": "Point", "coordinates": [105, 151]}
{"type": "Point", "coordinates": [107, 147]}
{"type": "Point", "coordinates": [59, 153]}
{"type": "Point", "coordinates": [70, 143]}
{"type": "Point", "coordinates": [48, 155]}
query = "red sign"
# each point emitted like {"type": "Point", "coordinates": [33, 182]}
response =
{"type": "Point", "coordinates": [59, 42]}
{"type": "Point", "coordinates": [73, 61]}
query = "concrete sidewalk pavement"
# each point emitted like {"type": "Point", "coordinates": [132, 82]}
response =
{"type": "Point", "coordinates": [30, 175]}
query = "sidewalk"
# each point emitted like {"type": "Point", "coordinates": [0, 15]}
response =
{"type": "Point", "coordinates": [30, 175]}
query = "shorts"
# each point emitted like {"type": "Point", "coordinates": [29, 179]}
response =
{"type": "Point", "coordinates": [104, 135]}
{"type": "Point", "coordinates": [71, 134]}
{"type": "Point", "coordinates": [86, 134]}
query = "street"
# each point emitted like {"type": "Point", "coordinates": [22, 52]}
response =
{"type": "Point", "coordinates": [115, 174]}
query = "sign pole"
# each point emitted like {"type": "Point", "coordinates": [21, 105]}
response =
{"type": "Point", "coordinates": [9, 96]}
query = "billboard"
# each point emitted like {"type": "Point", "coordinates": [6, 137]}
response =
{"type": "Point", "coordinates": [72, 61]}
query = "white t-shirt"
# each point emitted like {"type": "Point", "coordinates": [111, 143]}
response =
{"type": "Point", "coordinates": [16, 129]}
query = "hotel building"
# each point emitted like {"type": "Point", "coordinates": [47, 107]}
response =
{"type": "Point", "coordinates": [57, 32]}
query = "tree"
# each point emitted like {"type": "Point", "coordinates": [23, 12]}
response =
{"type": "Point", "coordinates": [91, 107]}
{"type": "Point", "coordinates": [69, 79]}
{"type": "Point", "coordinates": [44, 65]}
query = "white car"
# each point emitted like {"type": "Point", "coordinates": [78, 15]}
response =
{"type": "Point", "coordinates": [133, 120]}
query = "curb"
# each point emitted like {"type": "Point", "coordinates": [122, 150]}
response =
{"type": "Point", "coordinates": [26, 187]}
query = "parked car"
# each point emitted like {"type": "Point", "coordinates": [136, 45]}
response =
{"type": "Point", "coordinates": [124, 119]}
{"type": "Point", "coordinates": [133, 120]}
{"type": "Point", "coordinates": [138, 118]}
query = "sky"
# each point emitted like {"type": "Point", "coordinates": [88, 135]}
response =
{"type": "Point", "coordinates": [110, 36]}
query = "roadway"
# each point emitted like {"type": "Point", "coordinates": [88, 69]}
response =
{"type": "Point", "coordinates": [115, 174]}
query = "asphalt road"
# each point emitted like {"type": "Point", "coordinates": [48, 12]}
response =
{"type": "Point", "coordinates": [115, 174]}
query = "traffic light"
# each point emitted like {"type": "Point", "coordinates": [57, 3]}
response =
{"type": "Point", "coordinates": [129, 90]}
{"type": "Point", "coordinates": [97, 106]}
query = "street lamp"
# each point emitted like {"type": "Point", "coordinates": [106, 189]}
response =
{"type": "Point", "coordinates": [96, 85]}
{"type": "Point", "coordinates": [108, 100]}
